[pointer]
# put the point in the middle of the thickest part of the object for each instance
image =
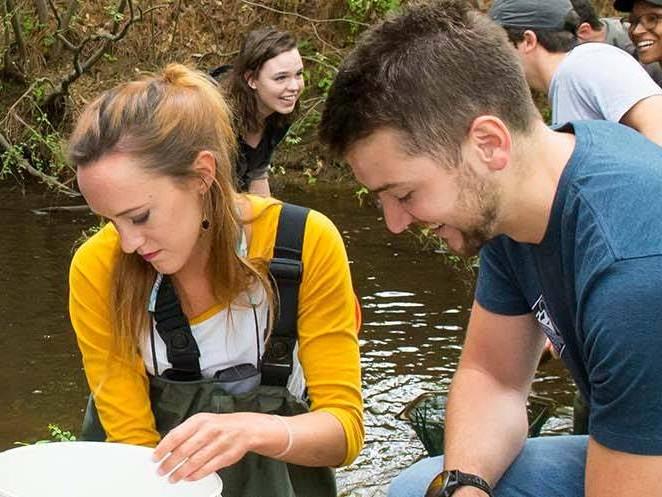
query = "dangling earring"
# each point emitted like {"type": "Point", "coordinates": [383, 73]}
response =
{"type": "Point", "coordinates": [205, 221]}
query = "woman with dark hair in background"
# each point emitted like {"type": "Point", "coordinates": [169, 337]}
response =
{"type": "Point", "coordinates": [263, 87]}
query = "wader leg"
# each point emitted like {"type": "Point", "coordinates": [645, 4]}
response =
{"type": "Point", "coordinates": [92, 431]}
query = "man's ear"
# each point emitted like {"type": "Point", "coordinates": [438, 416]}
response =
{"type": "Point", "coordinates": [205, 168]}
{"type": "Point", "coordinates": [584, 31]}
{"type": "Point", "coordinates": [491, 142]}
{"type": "Point", "coordinates": [529, 42]}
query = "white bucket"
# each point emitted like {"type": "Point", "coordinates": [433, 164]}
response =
{"type": "Point", "coordinates": [86, 469]}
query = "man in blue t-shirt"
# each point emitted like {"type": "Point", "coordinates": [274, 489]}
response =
{"type": "Point", "coordinates": [432, 112]}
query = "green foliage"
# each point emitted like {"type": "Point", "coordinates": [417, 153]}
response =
{"type": "Point", "coordinates": [360, 194]}
{"type": "Point", "coordinates": [366, 11]}
{"type": "Point", "coordinates": [361, 9]}
{"type": "Point", "coordinates": [311, 177]}
{"type": "Point", "coordinates": [29, 25]}
{"type": "Point", "coordinates": [319, 72]}
{"type": "Point", "coordinates": [276, 170]}
{"type": "Point", "coordinates": [114, 14]}
{"type": "Point", "coordinates": [57, 434]}
{"type": "Point", "coordinates": [41, 144]}
{"type": "Point", "coordinates": [48, 41]}
{"type": "Point", "coordinates": [429, 241]}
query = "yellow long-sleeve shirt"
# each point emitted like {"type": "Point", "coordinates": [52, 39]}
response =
{"type": "Point", "coordinates": [327, 321]}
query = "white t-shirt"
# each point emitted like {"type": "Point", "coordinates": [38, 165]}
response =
{"type": "Point", "coordinates": [224, 340]}
{"type": "Point", "coordinates": [598, 81]}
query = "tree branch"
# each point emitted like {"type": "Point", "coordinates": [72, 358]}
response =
{"type": "Point", "coordinates": [305, 18]}
{"type": "Point", "coordinates": [18, 30]}
{"type": "Point", "coordinates": [25, 165]}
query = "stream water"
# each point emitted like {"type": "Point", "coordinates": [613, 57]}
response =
{"type": "Point", "coordinates": [415, 309]}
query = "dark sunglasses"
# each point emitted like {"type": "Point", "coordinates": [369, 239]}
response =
{"type": "Point", "coordinates": [647, 21]}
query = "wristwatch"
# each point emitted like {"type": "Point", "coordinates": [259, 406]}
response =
{"type": "Point", "coordinates": [447, 482]}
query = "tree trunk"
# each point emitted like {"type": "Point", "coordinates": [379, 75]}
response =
{"type": "Point", "coordinates": [42, 11]}
{"type": "Point", "coordinates": [15, 19]}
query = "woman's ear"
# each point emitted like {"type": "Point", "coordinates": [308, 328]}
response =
{"type": "Point", "coordinates": [205, 168]}
{"type": "Point", "coordinates": [250, 80]}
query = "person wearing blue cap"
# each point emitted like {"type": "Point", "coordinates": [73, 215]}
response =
{"type": "Point", "coordinates": [645, 27]}
{"type": "Point", "coordinates": [612, 30]}
{"type": "Point", "coordinates": [589, 81]}
{"type": "Point", "coordinates": [433, 113]}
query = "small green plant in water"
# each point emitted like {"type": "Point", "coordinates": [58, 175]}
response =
{"type": "Point", "coordinates": [311, 178]}
{"type": "Point", "coordinates": [360, 195]}
{"type": "Point", "coordinates": [60, 435]}
{"type": "Point", "coordinates": [57, 435]}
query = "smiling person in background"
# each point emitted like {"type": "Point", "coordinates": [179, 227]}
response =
{"type": "Point", "coordinates": [645, 27]}
{"type": "Point", "coordinates": [263, 87]}
{"type": "Point", "coordinates": [589, 81]}
{"type": "Point", "coordinates": [181, 333]}
{"type": "Point", "coordinates": [610, 30]}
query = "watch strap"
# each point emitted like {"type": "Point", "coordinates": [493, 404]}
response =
{"type": "Point", "coordinates": [448, 481]}
{"type": "Point", "coordinates": [468, 479]}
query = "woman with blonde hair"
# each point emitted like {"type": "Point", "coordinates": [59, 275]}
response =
{"type": "Point", "coordinates": [172, 302]}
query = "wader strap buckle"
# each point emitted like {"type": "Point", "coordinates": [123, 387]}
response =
{"type": "Point", "coordinates": [286, 270]}
{"type": "Point", "coordinates": [174, 329]}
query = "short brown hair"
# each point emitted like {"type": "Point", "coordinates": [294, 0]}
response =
{"type": "Point", "coordinates": [427, 73]}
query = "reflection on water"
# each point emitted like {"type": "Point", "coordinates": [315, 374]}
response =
{"type": "Point", "coordinates": [414, 311]}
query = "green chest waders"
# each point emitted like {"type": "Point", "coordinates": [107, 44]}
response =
{"type": "Point", "coordinates": [181, 392]}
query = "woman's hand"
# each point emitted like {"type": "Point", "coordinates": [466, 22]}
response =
{"type": "Point", "coordinates": [207, 442]}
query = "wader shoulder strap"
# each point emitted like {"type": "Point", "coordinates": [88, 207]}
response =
{"type": "Point", "coordinates": [286, 269]}
{"type": "Point", "coordinates": [174, 329]}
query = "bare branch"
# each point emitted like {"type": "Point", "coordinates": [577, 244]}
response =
{"type": "Point", "coordinates": [320, 62]}
{"type": "Point", "coordinates": [25, 94]}
{"type": "Point", "coordinates": [306, 18]}
{"type": "Point", "coordinates": [25, 165]}
{"type": "Point", "coordinates": [178, 9]}
{"type": "Point", "coordinates": [299, 122]}
{"type": "Point", "coordinates": [118, 32]}
{"type": "Point", "coordinates": [61, 208]}
{"type": "Point", "coordinates": [201, 57]}
{"type": "Point", "coordinates": [56, 14]}
{"type": "Point", "coordinates": [15, 18]}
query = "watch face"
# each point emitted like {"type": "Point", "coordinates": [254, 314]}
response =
{"type": "Point", "coordinates": [438, 485]}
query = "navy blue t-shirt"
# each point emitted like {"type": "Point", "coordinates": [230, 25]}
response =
{"type": "Point", "coordinates": [595, 281]}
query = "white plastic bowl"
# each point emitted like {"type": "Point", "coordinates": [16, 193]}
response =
{"type": "Point", "coordinates": [85, 469]}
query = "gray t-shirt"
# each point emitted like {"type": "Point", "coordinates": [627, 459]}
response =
{"type": "Point", "coordinates": [598, 81]}
{"type": "Point", "coordinates": [616, 34]}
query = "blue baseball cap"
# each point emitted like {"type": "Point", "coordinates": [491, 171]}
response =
{"type": "Point", "coordinates": [552, 15]}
